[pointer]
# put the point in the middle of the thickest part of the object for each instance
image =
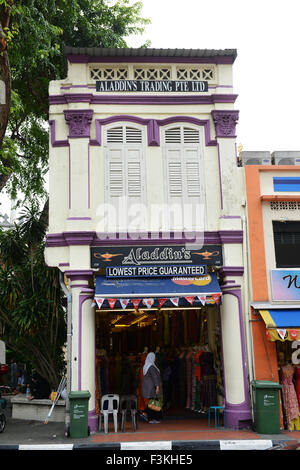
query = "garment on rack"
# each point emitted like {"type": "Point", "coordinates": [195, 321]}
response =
{"type": "Point", "coordinates": [199, 381]}
{"type": "Point", "coordinates": [290, 398]}
{"type": "Point", "coordinates": [209, 380]}
{"type": "Point", "coordinates": [297, 379]}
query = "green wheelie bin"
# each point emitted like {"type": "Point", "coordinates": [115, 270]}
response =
{"type": "Point", "coordinates": [266, 406]}
{"type": "Point", "coordinates": [79, 402]}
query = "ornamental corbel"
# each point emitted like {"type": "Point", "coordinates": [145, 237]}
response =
{"type": "Point", "coordinates": [225, 122]}
{"type": "Point", "coordinates": [79, 122]}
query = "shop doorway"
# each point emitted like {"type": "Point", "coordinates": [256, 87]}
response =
{"type": "Point", "coordinates": [187, 344]}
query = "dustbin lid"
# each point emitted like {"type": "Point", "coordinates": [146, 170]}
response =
{"type": "Point", "coordinates": [265, 384]}
{"type": "Point", "coordinates": [79, 394]}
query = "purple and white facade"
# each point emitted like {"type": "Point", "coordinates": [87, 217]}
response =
{"type": "Point", "coordinates": [121, 157]}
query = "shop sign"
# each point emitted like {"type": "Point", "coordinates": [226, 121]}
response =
{"type": "Point", "coordinates": [285, 284]}
{"type": "Point", "coordinates": [150, 86]}
{"type": "Point", "coordinates": [156, 271]}
{"type": "Point", "coordinates": [106, 256]}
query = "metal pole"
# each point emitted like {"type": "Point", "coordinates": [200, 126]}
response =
{"type": "Point", "coordinates": [69, 349]}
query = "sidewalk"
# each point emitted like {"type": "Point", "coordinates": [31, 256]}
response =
{"type": "Point", "coordinates": [169, 435]}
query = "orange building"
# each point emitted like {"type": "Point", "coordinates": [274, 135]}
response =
{"type": "Point", "coordinates": [273, 219]}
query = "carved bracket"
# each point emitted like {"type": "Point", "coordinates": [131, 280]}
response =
{"type": "Point", "coordinates": [225, 122]}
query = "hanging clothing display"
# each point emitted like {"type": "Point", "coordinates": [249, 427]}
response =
{"type": "Point", "coordinates": [290, 400]}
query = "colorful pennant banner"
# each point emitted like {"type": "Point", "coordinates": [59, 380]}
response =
{"type": "Point", "coordinates": [148, 302]}
{"type": "Point", "coordinates": [111, 302]}
{"type": "Point", "coordinates": [124, 302]}
{"type": "Point", "coordinates": [136, 303]}
{"type": "Point", "coordinates": [99, 302]}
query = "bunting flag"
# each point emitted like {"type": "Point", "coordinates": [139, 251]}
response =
{"type": "Point", "coordinates": [190, 299]}
{"type": "Point", "coordinates": [136, 303]}
{"type": "Point", "coordinates": [202, 299]}
{"type": "Point", "coordinates": [161, 302]}
{"type": "Point", "coordinates": [268, 334]}
{"type": "Point", "coordinates": [281, 332]}
{"type": "Point", "coordinates": [99, 302]}
{"type": "Point", "coordinates": [111, 302]}
{"type": "Point", "coordinates": [294, 334]}
{"type": "Point", "coordinates": [93, 304]}
{"type": "Point", "coordinates": [124, 302]}
{"type": "Point", "coordinates": [148, 302]}
{"type": "Point", "coordinates": [216, 298]}
{"type": "Point", "coordinates": [175, 301]}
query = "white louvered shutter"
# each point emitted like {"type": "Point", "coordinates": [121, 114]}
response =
{"type": "Point", "coordinates": [184, 174]}
{"type": "Point", "coordinates": [125, 177]}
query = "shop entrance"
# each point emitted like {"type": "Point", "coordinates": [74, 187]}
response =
{"type": "Point", "coordinates": [187, 344]}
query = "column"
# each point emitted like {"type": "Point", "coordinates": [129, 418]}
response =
{"type": "Point", "coordinates": [79, 121]}
{"type": "Point", "coordinates": [83, 344]}
{"type": "Point", "coordinates": [231, 183]}
{"type": "Point", "coordinates": [237, 402]}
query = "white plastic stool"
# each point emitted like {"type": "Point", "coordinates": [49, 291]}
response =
{"type": "Point", "coordinates": [109, 405]}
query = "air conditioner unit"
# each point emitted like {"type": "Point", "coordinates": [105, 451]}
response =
{"type": "Point", "coordinates": [286, 158]}
{"type": "Point", "coordinates": [256, 158]}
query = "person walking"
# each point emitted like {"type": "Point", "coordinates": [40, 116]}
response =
{"type": "Point", "coordinates": [151, 388]}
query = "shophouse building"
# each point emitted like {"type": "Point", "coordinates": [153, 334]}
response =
{"type": "Point", "coordinates": [147, 224]}
{"type": "Point", "coordinates": [273, 218]}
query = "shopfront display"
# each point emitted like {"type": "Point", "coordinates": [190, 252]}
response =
{"type": "Point", "coordinates": [187, 347]}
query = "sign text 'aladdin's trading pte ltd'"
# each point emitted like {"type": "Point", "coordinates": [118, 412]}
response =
{"type": "Point", "coordinates": [150, 86]}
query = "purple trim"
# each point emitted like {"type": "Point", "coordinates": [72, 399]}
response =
{"type": "Point", "coordinates": [153, 127]}
{"type": "Point", "coordinates": [191, 120]}
{"type": "Point", "coordinates": [225, 122]}
{"type": "Point", "coordinates": [230, 217]}
{"type": "Point", "coordinates": [141, 99]}
{"type": "Point", "coordinates": [232, 271]}
{"type": "Point", "coordinates": [64, 264]}
{"type": "Point", "coordinates": [80, 275]}
{"type": "Point", "coordinates": [85, 59]}
{"type": "Point", "coordinates": [82, 299]}
{"type": "Point", "coordinates": [54, 142]}
{"type": "Point", "coordinates": [79, 122]}
{"type": "Point", "coordinates": [92, 417]}
{"type": "Point", "coordinates": [94, 239]}
{"type": "Point", "coordinates": [238, 413]}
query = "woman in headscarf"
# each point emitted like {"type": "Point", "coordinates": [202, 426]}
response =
{"type": "Point", "coordinates": [151, 387]}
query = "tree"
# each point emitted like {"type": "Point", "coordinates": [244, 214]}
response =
{"type": "Point", "coordinates": [32, 36]}
{"type": "Point", "coordinates": [31, 311]}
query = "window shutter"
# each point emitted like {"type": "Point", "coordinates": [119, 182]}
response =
{"type": "Point", "coordinates": [184, 175]}
{"type": "Point", "coordinates": [115, 177]}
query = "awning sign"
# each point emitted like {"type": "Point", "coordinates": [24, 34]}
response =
{"type": "Point", "coordinates": [155, 271]}
{"type": "Point", "coordinates": [143, 255]}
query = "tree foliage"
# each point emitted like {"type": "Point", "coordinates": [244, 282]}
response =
{"type": "Point", "coordinates": [34, 33]}
{"type": "Point", "coordinates": [31, 312]}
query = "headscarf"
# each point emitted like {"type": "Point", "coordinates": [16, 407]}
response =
{"type": "Point", "coordinates": [150, 359]}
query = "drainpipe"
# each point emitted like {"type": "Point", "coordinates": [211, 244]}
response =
{"type": "Point", "coordinates": [247, 306]}
{"type": "Point", "coordinates": [69, 349]}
